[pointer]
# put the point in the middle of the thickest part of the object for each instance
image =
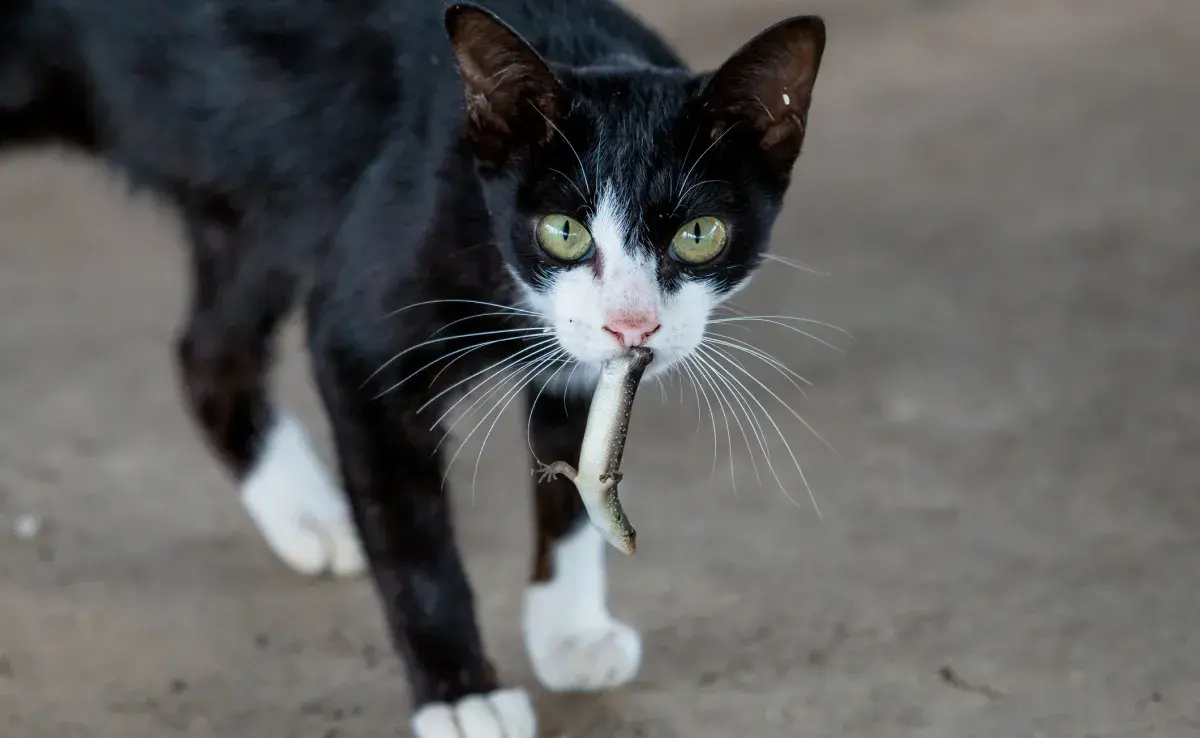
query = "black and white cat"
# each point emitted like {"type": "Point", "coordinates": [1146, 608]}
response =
{"type": "Point", "coordinates": [461, 196]}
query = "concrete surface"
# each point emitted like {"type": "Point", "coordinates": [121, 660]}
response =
{"type": "Point", "coordinates": [1004, 194]}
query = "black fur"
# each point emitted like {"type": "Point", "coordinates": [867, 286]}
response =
{"type": "Point", "coordinates": [348, 147]}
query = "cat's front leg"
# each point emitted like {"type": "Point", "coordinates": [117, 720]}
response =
{"type": "Point", "coordinates": [393, 476]}
{"type": "Point", "coordinates": [573, 641]}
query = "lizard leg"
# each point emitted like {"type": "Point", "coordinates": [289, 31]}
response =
{"type": "Point", "coordinates": [547, 472]}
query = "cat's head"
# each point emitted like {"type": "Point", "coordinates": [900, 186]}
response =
{"type": "Point", "coordinates": [630, 201]}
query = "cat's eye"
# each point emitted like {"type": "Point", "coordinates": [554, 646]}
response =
{"type": "Point", "coordinates": [564, 238]}
{"type": "Point", "coordinates": [700, 241]}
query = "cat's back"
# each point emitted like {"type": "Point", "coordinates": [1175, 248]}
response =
{"type": "Point", "coordinates": [292, 97]}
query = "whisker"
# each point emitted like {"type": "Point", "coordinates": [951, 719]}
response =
{"type": "Point", "coordinates": [802, 332]}
{"type": "Point", "coordinates": [496, 388]}
{"type": "Point", "coordinates": [533, 406]}
{"type": "Point", "coordinates": [536, 351]}
{"type": "Point", "coordinates": [567, 389]}
{"type": "Point", "coordinates": [507, 394]}
{"type": "Point", "coordinates": [571, 182]}
{"type": "Point", "coordinates": [458, 354]}
{"type": "Point", "coordinates": [512, 396]}
{"type": "Point", "coordinates": [721, 392]}
{"type": "Point", "coordinates": [752, 418]}
{"type": "Point", "coordinates": [777, 397]}
{"type": "Point", "coordinates": [742, 391]}
{"type": "Point", "coordinates": [771, 318]}
{"type": "Point", "coordinates": [800, 266]}
{"type": "Point", "coordinates": [462, 301]}
{"type": "Point", "coordinates": [700, 158]}
{"type": "Point", "coordinates": [504, 374]}
{"type": "Point", "coordinates": [700, 184]}
{"type": "Point", "coordinates": [704, 374]}
{"type": "Point", "coordinates": [683, 161]}
{"type": "Point", "coordinates": [763, 356]}
{"type": "Point", "coordinates": [782, 437]}
{"type": "Point", "coordinates": [702, 393]}
{"type": "Point", "coordinates": [494, 313]}
{"type": "Point", "coordinates": [540, 342]}
{"type": "Point", "coordinates": [524, 332]}
{"type": "Point", "coordinates": [582, 169]}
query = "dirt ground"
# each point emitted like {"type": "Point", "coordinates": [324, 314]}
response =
{"type": "Point", "coordinates": [1003, 197]}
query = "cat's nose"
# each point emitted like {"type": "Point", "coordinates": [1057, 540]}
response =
{"type": "Point", "coordinates": [632, 330]}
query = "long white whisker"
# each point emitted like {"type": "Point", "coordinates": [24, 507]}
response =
{"type": "Point", "coordinates": [782, 437]}
{"type": "Point", "coordinates": [683, 161]}
{"type": "Point", "coordinates": [780, 319]}
{"type": "Point", "coordinates": [700, 184]}
{"type": "Point", "coordinates": [537, 370]}
{"type": "Point", "coordinates": [460, 301]}
{"type": "Point", "coordinates": [745, 436]}
{"type": "Point", "coordinates": [505, 374]}
{"type": "Point", "coordinates": [541, 342]}
{"type": "Point", "coordinates": [700, 158]}
{"type": "Point", "coordinates": [751, 417]}
{"type": "Point", "coordinates": [505, 398]}
{"type": "Point", "coordinates": [458, 354]}
{"type": "Point", "coordinates": [705, 374]}
{"type": "Point", "coordinates": [536, 352]}
{"type": "Point", "coordinates": [494, 313]}
{"type": "Point", "coordinates": [801, 331]}
{"type": "Point", "coordinates": [582, 169]}
{"type": "Point", "coordinates": [570, 181]}
{"type": "Point", "coordinates": [428, 342]}
{"type": "Point", "coordinates": [533, 406]}
{"type": "Point", "coordinates": [702, 393]}
{"type": "Point", "coordinates": [761, 355]}
{"type": "Point", "coordinates": [800, 266]}
{"type": "Point", "coordinates": [740, 390]}
{"type": "Point", "coordinates": [567, 389]}
{"type": "Point", "coordinates": [779, 399]}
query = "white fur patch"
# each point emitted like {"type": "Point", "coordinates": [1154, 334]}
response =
{"type": "Point", "coordinates": [501, 714]}
{"type": "Point", "coordinates": [578, 304]}
{"type": "Point", "coordinates": [298, 509]}
{"type": "Point", "coordinates": [574, 644]}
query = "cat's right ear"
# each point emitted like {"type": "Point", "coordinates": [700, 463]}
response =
{"type": "Point", "coordinates": [768, 85]}
{"type": "Point", "coordinates": [512, 96]}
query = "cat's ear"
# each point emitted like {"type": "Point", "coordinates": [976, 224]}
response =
{"type": "Point", "coordinates": [511, 94]}
{"type": "Point", "coordinates": [767, 84]}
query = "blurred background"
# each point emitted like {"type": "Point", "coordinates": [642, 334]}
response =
{"type": "Point", "coordinates": [1001, 202]}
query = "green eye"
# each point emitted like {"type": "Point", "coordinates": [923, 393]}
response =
{"type": "Point", "coordinates": [700, 241]}
{"type": "Point", "coordinates": [564, 238]}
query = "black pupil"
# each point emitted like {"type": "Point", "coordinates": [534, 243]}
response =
{"type": "Point", "coordinates": [696, 232]}
{"type": "Point", "coordinates": [566, 229]}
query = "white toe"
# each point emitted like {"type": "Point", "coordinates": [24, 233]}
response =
{"type": "Point", "coordinates": [297, 507]}
{"type": "Point", "coordinates": [502, 714]}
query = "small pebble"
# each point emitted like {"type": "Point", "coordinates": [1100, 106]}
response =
{"type": "Point", "coordinates": [27, 527]}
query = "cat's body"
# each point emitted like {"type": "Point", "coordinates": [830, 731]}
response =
{"type": "Point", "coordinates": [321, 150]}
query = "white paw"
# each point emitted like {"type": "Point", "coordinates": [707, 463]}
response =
{"type": "Point", "coordinates": [573, 643]}
{"type": "Point", "coordinates": [589, 661]}
{"type": "Point", "coordinates": [297, 507]}
{"type": "Point", "coordinates": [503, 714]}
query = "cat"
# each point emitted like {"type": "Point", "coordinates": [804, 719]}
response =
{"type": "Point", "coordinates": [459, 194]}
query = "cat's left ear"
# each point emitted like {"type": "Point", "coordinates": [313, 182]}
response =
{"type": "Point", "coordinates": [768, 83]}
{"type": "Point", "coordinates": [511, 94]}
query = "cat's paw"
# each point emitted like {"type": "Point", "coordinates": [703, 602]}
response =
{"type": "Point", "coordinates": [298, 509]}
{"type": "Point", "coordinates": [502, 714]}
{"type": "Point", "coordinates": [604, 656]}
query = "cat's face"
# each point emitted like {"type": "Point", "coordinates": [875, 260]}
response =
{"type": "Point", "coordinates": [630, 203]}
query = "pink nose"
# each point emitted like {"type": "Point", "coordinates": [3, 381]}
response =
{"type": "Point", "coordinates": [632, 330]}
